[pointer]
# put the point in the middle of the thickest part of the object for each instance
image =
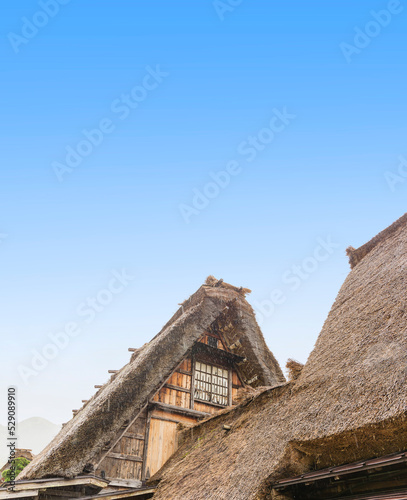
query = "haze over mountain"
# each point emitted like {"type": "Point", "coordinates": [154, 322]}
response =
{"type": "Point", "coordinates": [33, 433]}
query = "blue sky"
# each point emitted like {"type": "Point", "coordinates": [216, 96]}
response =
{"type": "Point", "coordinates": [321, 175]}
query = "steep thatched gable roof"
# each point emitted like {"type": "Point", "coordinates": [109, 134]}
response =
{"type": "Point", "coordinates": [348, 403]}
{"type": "Point", "coordinates": [214, 305]}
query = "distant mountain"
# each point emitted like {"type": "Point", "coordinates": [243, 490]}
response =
{"type": "Point", "coordinates": [33, 433]}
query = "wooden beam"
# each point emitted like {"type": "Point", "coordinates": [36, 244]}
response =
{"type": "Point", "coordinates": [60, 483]}
{"type": "Point", "coordinates": [122, 456]}
{"type": "Point", "coordinates": [147, 435]}
{"type": "Point", "coordinates": [132, 349]}
{"type": "Point", "coordinates": [85, 400]}
{"type": "Point", "coordinates": [66, 494]}
{"type": "Point", "coordinates": [210, 403]}
{"type": "Point", "coordinates": [125, 494]}
{"type": "Point", "coordinates": [230, 384]}
{"type": "Point", "coordinates": [98, 386]}
{"type": "Point", "coordinates": [184, 372]}
{"type": "Point", "coordinates": [128, 483]}
{"type": "Point", "coordinates": [192, 382]}
{"type": "Point", "coordinates": [120, 436]}
{"type": "Point", "coordinates": [112, 371]}
{"type": "Point", "coordinates": [133, 436]}
{"type": "Point", "coordinates": [178, 409]}
{"type": "Point", "coordinates": [5, 494]}
{"type": "Point", "coordinates": [165, 419]}
{"type": "Point", "coordinates": [177, 388]}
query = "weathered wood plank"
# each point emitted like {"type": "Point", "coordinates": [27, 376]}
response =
{"type": "Point", "coordinates": [165, 419]}
{"type": "Point", "coordinates": [178, 409]}
{"type": "Point", "coordinates": [161, 444]}
{"type": "Point", "coordinates": [230, 377]}
{"type": "Point", "coordinates": [177, 417]}
{"type": "Point", "coordinates": [177, 388]}
{"type": "Point", "coordinates": [60, 482]}
{"type": "Point", "coordinates": [191, 403]}
{"type": "Point", "coordinates": [121, 435]}
{"type": "Point", "coordinates": [123, 456]}
{"type": "Point", "coordinates": [134, 436]}
{"type": "Point", "coordinates": [147, 435]}
{"type": "Point", "coordinates": [184, 372]}
{"type": "Point", "coordinates": [32, 494]}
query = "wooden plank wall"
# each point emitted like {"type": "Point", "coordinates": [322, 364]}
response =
{"type": "Point", "coordinates": [177, 389]}
{"type": "Point", "coordinates": [162, 438]}
{"type": "Point", "coordinates": [159, 428]}
{"type": "Point", "coordinates": [125, 459]}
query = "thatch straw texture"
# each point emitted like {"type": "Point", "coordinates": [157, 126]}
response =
{"type": "Point", "coordinates": [349, 402]}
{"type": "Point", "coordinates": [118, 401]}
{"type": "Point", "coordinates": [294, 369]}
{"type": "Point", "coordinates": [355, 256]}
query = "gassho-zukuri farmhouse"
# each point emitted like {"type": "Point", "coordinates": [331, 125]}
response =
{"type": "Point", "coordinates": [203, 411]}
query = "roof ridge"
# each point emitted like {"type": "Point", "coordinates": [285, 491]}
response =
{"type": "Point", "coordinates": [356, 255]}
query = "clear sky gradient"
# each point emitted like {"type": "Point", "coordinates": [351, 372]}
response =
{"type": "Point", "coordinates": [321, 173]}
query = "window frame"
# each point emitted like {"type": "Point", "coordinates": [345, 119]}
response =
{"type": "Point", "coordinates": [212, 394]}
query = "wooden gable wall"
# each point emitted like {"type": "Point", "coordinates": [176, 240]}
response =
{"type": "Point", "coordinates": [146, 443]}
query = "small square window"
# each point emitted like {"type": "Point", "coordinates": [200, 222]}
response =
{"type": "Point", "coordinates": [212, 342]}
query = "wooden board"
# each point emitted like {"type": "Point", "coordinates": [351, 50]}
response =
{"type": "Point", "coordinates": [177, 388]}
{"type": "Point", "coordinates": [184, 419]}
{"type": "Point", "coordinates": [207, 408]}
{"type": "Point", "coordinates": [130, 447]}
{"type": "Point", "coordinates": [162, 443]}
{"type": "Point", "coordinates": [220, 344]}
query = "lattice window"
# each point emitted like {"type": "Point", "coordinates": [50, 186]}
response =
{"type": "Point", "coordinates": [211, 384]}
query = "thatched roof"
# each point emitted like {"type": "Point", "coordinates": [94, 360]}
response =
{"type": "Point", "coordinates": [294, 368]}
{"type": "Point", "coordinates": [349, 402]}
{"type": "Point", "coordinates": [355, 256]}
{"type": "Point", "coordinates": [214, 305]}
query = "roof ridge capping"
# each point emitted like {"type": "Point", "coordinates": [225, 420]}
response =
{"type": "Point", "coordinates": [213, 282]}
{"type": "Point", "coordinates": [356, 255]}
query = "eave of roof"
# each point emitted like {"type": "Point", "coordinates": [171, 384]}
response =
{"type": "Point", "coordinates": [343, 470]}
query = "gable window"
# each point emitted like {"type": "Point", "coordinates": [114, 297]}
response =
{"type": "Point", "coordinates": [212, 342]}
{"type": "Point", "coordinates": [211, 384]}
